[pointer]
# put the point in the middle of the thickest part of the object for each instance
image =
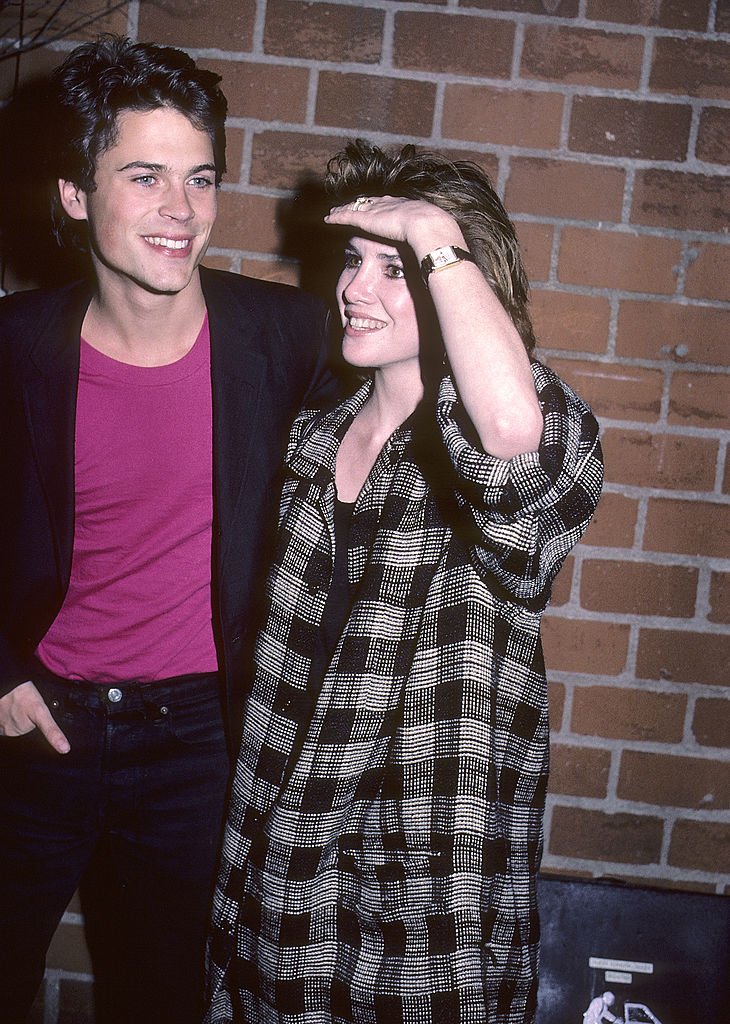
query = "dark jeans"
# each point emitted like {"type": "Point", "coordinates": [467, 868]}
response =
{"type": "Point", "coordinates": [133, 815]}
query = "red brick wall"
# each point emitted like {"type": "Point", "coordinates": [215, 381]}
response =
{"type": "Point", "coordinates": [606, 127]}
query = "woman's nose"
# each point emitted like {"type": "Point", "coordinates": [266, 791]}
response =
{"type": "Point", "coordinates": [357, 285]}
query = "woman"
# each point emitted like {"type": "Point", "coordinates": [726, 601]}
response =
{"type": "Point", "coordinates": [386, 816]}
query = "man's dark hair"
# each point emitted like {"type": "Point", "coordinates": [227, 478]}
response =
{"type": "Point", "coordinates": [460, 187]}
{"type": "Point", "coordinates": [100, 80]}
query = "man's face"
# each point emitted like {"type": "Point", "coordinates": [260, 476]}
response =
{"type": "Point", "coordinates": [154, 205]}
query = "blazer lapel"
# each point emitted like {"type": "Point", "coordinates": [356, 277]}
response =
{"type": "Point", "coordinates": [50, 389]}
{"type": "Point", "coordinates": [237, 370]}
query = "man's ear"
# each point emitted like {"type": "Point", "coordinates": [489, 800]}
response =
{"type": "Point", "coordinates": [73, 199]}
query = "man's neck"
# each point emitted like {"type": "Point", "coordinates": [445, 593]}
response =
{"type": "Point", "coordinates": [144, 328]}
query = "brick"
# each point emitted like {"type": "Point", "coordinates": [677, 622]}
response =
{"type": "Point", "coordinates": [614, 523]}
{"type": "Point", "coordinates": [375, 103]}
{"type": "Point", "coordinates": [488, 162]}
{"type": "Point", "coordinates": [672, 461]}
{"type": "Point", "coordinates": [74, 906]}
{"type": "Point", "coordinates": [234, 154]}
{"type": "Point", "coordinates": [564, 9]}
{"type": "Point", "coordinates": [670, 884]}
{"type": "Point", "coordinates": [573, 645]}
{"type": "Point", "coordinates": [683, 202]}
{"type": "Point", "coordinates": [688, 527]}
{"type": "Point", "coordinates": [266, 92]}
{"type": "Point", "coordinates": [612, 390]}
{"type": "Point", "coordinates": [700, 400]}
{"type": "Point", "coordinates": [722, 16]}
{"type": "Point", "coordinates": [627, 128]}
{"type": "Point", "coordinates": [283, 159]}
{"type": "Point", "coordinates": [200, 24]}
{"type": "Point", "coordinates": [691, 15]}
{"type": "Point", "coordinates": [638, 588]}
{"type": "Point", "coordinates": [68, 949]}
{"type": "Point", "coordinates": [317, 31]}
{"type": "Point", "coordinates": [684, 657]}
{"type": "Point", "coordinates": [596, 835]}
{"type": "Point", "coordinates": [564, 188]}
{"type": "Point", "coordinates": [618, 259]}
{"type": "Point", "coordinates": [711, 724]}
{"type": "Point", "coordinates": [691, 67]}
{"type": "Point", "coordinates": [578, 771]}
{"type": "Point", "coordinates": [700, 846]}
{"type": "Point", "coordinates": [708, 271]}
{"type": "Point", "coordinates": [580, 56]}
{"type": "Point", "coordinates": [556, 702]}
{"type": "Point", "coordinates": [663, 330]}
{"type": "Point", "coordinates": [563, 320]}
{"type": "Point", "coordinates": [669, 780]}
{"type": "Point", "coordinates": [562, 583]}
{"type": "Point", "coordinates": [76, 1001]}
{"type": "Point", "coordinates": [272, 270]}
{"type": "Point", "coordinates": [219, 262]}
{"type": "Point", "coordinates": [713, 136]}
{"type": "Point", "coordinates": [247, 222]}
{"type": "Point", "coordinates": [502, 117]}
{"type": "Point", "coordinates": [536, 243]}
{"type": "Point", "coordinates": [719, 597]}
{"type": "Point", "coordinates": [453, 44]}
{"type": "Point", "coordinates": [628, 714]}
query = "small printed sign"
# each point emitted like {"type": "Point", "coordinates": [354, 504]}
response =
{"type": "Point", "coordinates": [630, 966]}
{"type": "Point", "coordinates": [619, 977]}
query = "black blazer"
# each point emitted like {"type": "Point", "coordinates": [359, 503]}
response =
{"type": "Point", "coordinates": [268, 357]}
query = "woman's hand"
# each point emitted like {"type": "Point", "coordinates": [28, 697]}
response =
{"type": "Point", "coordinates": [415, 222]}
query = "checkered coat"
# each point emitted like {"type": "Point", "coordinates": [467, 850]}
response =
{"type": "Point", "coordinates": [385, 830]}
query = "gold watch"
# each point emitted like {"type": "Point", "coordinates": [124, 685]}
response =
{"type": "Point", "coordinates": [440, 259]}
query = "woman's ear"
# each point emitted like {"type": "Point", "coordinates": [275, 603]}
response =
{"type": "Point", "coordinates": [73, 199]}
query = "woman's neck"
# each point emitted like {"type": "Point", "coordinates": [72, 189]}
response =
{"type": "Point", "coordinates": [393, 399]}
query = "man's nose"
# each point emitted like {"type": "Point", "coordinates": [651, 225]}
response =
{"type": "Point", "coordinates": [176, 204]}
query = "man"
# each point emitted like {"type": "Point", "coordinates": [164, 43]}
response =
{"type": "Point", "coordinates": [143, 419]}
{"type": "Point", "coordinates": [599, 1011]}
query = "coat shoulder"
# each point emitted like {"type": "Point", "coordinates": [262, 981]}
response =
{"type": "Point", "coordinates": [268, 298]}
{"type": "Point", "coordinates": [37, 304]}
{"type": "Point", "coordinates": [27, 316]}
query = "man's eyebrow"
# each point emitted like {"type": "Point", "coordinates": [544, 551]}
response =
{"type": "Point", "coordinates": [147, 166]}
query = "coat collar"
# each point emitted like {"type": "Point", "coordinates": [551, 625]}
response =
{"type": "Point", "coordinates": [238, 368]}
{"type": "Point", "coordinates": [50, 406]}
{"type": "Point", "coordinates": [321, 439]}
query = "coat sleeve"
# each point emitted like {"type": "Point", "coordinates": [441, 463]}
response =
{"type": "Point", "coordinates": [525, 514]}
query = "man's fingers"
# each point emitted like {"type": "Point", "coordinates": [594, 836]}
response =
{"type": "Point", "coordinates": [45, 722]}
{"type": "Point", "coordinates": [23, 709]}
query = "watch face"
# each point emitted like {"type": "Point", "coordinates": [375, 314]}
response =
{"type": "Point", "coordinates": [442, 257]}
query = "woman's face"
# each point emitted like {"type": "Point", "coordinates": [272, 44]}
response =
{"type": "Point", "coordinates": [376, 306]}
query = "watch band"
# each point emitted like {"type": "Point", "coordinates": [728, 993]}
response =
{"type": "Point", "coordinates": [443, 257]}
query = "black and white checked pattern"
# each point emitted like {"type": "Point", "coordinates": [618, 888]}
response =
{"type": "Point", "coordinates": [385, 831]}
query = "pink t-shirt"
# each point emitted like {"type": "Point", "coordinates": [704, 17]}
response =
{"type": "Point", "coordinates": [139, 601]}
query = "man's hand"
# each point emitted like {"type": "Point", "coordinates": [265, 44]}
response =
{"type": "Point", "coordinates": [23, 709]}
